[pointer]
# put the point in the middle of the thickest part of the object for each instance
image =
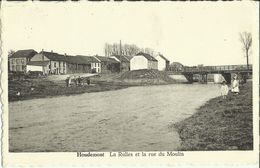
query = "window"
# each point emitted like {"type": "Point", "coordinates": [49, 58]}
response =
{"type": "Point", "coordinates": [22, 61]}
{"type": "Point", "coordinates": [23, 67]}
{"type": "Point", "coordinates": [18, 61]}
{"type": "Point", "coordinates": [18, 68]}
{"type": "Point", "coordinates": [54, 64]}
{"type": "Point", "coordinates": [13, 68]}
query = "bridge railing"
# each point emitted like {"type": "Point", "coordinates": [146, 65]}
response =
{"type": "Point", "coordinates": [217, 68]}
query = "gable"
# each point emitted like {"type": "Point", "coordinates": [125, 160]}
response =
{"type": "Point", "coordinates": [39, 57]}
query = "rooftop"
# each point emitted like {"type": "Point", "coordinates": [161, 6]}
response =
{"type": "Point", "coordinates": [147, 56]}
{"type": "Point", "coordinates": [106, 59]}
{"type": "Point", "coordinates": [24, 53]}
{"type": "Point", "coordinates": [121, 58]}
{"type": "Point", "coordinates": [160, 55]}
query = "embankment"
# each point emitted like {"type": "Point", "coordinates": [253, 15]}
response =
{"type": "Point", "coordinates": [45, 87]}
{"type": "Point", "coordinates": [220, 124]}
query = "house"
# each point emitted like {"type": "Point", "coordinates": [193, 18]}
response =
{"type": "Point", "coordinates": [51, 63]}
{"type": "Point", "coordinates": [19, 60]}
{"type": "Point", "coordinates": [108, 65]}
{"type": "Point", "coordinates": [54, 63]}
{"type": "Point", "coordinates": [124, 62]}
{"type": "Point", "coordinates": [143, 61]}
{"type": "Point", "coordinates": [82, 64]}
{"type": "Point", "coordinates": [163, 63]}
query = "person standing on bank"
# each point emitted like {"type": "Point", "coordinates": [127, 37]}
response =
{"type": "Point", "coordinates": [235, 85]}
{"type": "Point", "coordinates": [224, 90]}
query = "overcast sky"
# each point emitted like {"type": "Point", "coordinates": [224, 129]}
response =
{"type": "Point", "coordinates": [190, 33]}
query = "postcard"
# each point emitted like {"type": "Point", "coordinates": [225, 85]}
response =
{"type": "Point", "coordinates": [130, 83]}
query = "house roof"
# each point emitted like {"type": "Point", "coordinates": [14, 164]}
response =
{"type": "Point", "coordinates": [147, 56]}
{"type": "Point", "coordinates": [128, 57]}
{"type": "Point", "coordinates": [163, 57]}
{"type": "Point", "coordinates": [38, 63]}
{"type": "Point", "coordinates": [106, 59]}
{"type": "Point", "coordinates": [24, 53]}
{"type": "Point", "coordinates": [122, 58]}
{"type": "Point", "coordinates": [53, 56]}
{"type": "Point", "coordinates": [81, 59]}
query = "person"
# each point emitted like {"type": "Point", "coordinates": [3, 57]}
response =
{"type": "Point", "coordinates": [88, 81]}
{"type": "Point", "coordinates": [79, 81]}
{"type": "Point", "coordinates": [224, 90]}
{"type": "Point", "coordinates": [76, 80]}
{"type": "Point", "coordinates": [68, 80]}
{"type": "Point", "coordinates": [235, 85]}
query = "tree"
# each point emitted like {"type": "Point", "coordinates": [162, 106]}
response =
{"type": "Point", "coordinates": [246, 40]}
{"type": "Point", "coordinates": [10, 53]}
{"type": "Point", "coordinates": [126, 49]}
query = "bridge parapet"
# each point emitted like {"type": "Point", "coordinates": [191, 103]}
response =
{"type": "Point", "coordinates": [216, 69]}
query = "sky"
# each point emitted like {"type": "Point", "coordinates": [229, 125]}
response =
{"type": "Point", "coordinates": [190, 33]}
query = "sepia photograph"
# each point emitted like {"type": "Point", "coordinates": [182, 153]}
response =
{"type": "Point", "coordinates": [127, 77]}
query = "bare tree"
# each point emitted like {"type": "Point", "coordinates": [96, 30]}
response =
{"type": "Point", "coordinates": [246, 40]}
{"type": "Point", "coordinates": [126, 49]}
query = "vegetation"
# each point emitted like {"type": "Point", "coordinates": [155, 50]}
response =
{"type": "Point", "coordinates": [145, 76]}
{"type": "Point", "coordinates": [41, 87]}
{"type": "Point", "coordinates": [31, 86]}
{"type": "Point", "coordinates": [125, 49]}
{"type": "Point", "coordinates": [246, 40]}
{"type": "Point", "coordinates": [220, 124]}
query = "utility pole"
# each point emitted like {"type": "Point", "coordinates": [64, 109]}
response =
{"type": "Point", "coordinates": [120, 55]}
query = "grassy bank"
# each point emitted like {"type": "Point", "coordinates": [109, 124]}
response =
{"type": "Point", "coordinates": [220, 124]}
{"type": "Point", "coordinates": [40, 88]}
{"type": "Point", "coordinates": [31, 88]}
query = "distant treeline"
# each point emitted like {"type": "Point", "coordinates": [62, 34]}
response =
{"type": "Point", "coordinates": [126, 49]}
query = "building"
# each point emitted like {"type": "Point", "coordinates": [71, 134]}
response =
{"type": "Point", "coordinates": [124, 62]}
{"type": "Point", "coordinates": [82, 64]}
{"type": "Point", "coordinates": [50, 63]}
{"type": "Point", "coordinates": [143, 61]}
{"type": "Point", "coordinates": [108, 65]}
{"type": "Point", "coordinates": [19, 60]}
{"type": "Point", "coordinates": [163, 63]}
{"type": "Point", "coordinates": [54, 63]}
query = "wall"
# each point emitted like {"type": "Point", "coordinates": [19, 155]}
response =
{"type": "Point", "coordinates": [39, 57]}
{"type": "Point", "coordinates": [33, 68]}
{"type": "Point", "coordinates": [18, 64]}
{"type": "Point", "coordinates": [152, 65]}
{"type": "Point", "coordinates": [96, 67]}
{"type": "Point", "coordinates": [108, 67]}
{"type": "Point", "coordinates": [161, 63]}
{"type": "Point", "coordinates": [57, 67]}
{"type": "Point", "coordinates": [138, 62]}
{"type": "Point", "coordinates": [78, 68]}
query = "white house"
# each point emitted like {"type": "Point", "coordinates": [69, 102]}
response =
{"type": "Point", "coordinates": [163, 63]}
{"type": "Point", "coordinates": [143, 61]}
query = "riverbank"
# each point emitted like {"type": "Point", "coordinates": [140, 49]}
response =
{"type": "Point", "coordinates": [220, 124]}
{"type": "Point", "coordinates": [45, 87]}
{"type": "Point", "coordinates": [41, 88]}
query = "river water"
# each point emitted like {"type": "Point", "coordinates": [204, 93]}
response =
{"type": "Point", "coordinates": [131, 119]}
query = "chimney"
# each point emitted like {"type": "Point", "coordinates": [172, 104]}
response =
{"type": "Point", "coordinates": [52, 51]}
{"type": "Point", "coordinates": [65, 54]}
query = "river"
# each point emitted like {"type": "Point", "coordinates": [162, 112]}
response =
{"type": "Point", "coordinates": [131, 119]}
